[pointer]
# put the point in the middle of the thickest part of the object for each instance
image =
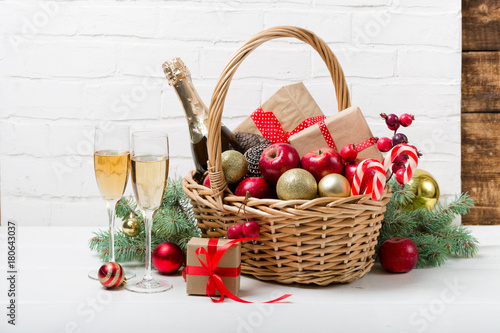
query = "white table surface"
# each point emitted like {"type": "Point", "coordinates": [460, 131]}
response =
{"type": "Point", "coordinates": [55, 295]}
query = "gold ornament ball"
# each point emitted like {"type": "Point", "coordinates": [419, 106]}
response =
{"type": "Point", "coordinates": [297, 184]}
{"type": "Point", "coordinates": [131, 227]}
{"type": "Point", "coordinates": [334, 185]}
{"type": "Point", "coordinates": [234, 166]}
{"type": "Point", "coordinates": [426, 190]}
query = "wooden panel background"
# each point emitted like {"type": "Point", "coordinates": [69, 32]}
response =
{"type": "Point", "coordinates": [481, 109]}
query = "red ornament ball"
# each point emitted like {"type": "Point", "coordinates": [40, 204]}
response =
{"type": "Point", "coordinates": [167, 258]}
{"type": "Point", "coordinates": [111, 275]}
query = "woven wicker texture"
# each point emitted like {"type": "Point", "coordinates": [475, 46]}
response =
{"type": "Point", "coordinates": [319, 241]}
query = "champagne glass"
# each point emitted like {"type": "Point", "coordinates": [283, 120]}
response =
{"type": "Point", "coordinates": [111, 164]}
{"type": "Point", "coordinates": [149, 174]}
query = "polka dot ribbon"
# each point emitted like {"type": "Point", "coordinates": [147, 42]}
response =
{"type": "Point", "coordinates": [270, 127]}
{"type": "Point", "coordinates": [365, 144]}
{"type": "Point", "coordinates": [326, 134]}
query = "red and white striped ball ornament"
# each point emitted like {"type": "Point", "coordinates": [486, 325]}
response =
{"type": "Point", "coordinates": [111, 275]}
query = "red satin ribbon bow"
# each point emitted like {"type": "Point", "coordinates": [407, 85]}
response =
{"type": "Point", "coordinates": [270, 127]}
{"type": "Point", "coordinates": [214, 273]}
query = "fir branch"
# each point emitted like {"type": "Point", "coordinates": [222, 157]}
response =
{"type": "Point", "coordinates": [443, 215]}
{"type": "Point", "coordinates": [431, 231]}
{"type": "Point", "coordinates": [401, 196]}
{"type": "Point", "coordinates": [173, 222]}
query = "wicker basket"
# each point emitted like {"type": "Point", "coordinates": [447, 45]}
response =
{"type": "Point", "coordinates": [319, 241]}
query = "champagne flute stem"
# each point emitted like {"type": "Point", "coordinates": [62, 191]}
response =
{"type": "Point", "coordinates": [148, 223]}
{"type": "Point", "coordinates": [111, 206]}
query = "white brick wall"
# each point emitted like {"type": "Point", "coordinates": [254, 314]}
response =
{"type": "Point", "coordinates": [67, 65]}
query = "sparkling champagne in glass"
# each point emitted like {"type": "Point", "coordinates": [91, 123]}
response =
{"type": "Point", "coordinates": [149, 174]}
{"type": "Point", "coordinates": [111, 164]}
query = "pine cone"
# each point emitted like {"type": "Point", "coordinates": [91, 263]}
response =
{"type": "Point", "coordinates": [249, 140]}
{"type": "Point", "coordinates": [253, 156]}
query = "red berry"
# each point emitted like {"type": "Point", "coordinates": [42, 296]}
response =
{"type": "Point", "coordinates": [391, 120]}
{"type": "Point", "coordinates": [397, 166]}
{"type": "Point", "coordinates": [349, 153]}
{"type": "Point", "coordinates": [406, 119]}
{"type": "Point", "coordinates": [384, 144]}
{"type": "Point", "coordinates": [235, 231]}
{"type": "Point", "coordinates": [400, 175]}
{"type": "Point", "coordinates": [393, 128]}
{"type": "Point", "coordinates": [251, 229]}
{"type": "Point", "coordinates": [399, 138]}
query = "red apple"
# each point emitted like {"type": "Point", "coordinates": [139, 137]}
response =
{"type": "Point", "coordinates": [206, 182]}
{"type": "Point", "coordinates": [258, 187]}
{"type": "Point", "coordinates": [276, 159]}
{"type": "Point", "coordinates": [322, 162]}
{"type": "Point", "coordinates": [349, 152]}
{"type": "Point", "coordinates": [350, 170]}
{"type": "Point", "coordinates": [398, 255]}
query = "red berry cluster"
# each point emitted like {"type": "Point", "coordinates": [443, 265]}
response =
{"type": "Point", "coordinates": [249, 229]}
{"type": "Point", "coordinates": [385, 144]}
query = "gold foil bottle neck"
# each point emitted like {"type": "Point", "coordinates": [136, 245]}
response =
{"type": "Point", "coordinates": [175, 70]}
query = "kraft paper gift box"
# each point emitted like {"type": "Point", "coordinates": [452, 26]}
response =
{"type": "Point", "coordinates": [230, 261]}
{"type": "Point", "coordinates": [346, 127]}
{"type": "Point", "coordinates": [291, 105]}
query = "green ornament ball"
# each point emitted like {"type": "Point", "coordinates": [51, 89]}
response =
{"type": "Point", "coordinates": [234, 166]}
{"type": "Point", "coordinates": [297, 184]}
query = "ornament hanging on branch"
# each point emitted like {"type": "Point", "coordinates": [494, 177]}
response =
{"type": "Point", "coordinates": [426, 190]}
{"type": "Point", "coordinates": [131, 227]}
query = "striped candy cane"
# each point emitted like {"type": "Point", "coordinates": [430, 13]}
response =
{"type": "Point", "coordinates": [376, 186]}
{"type": "Point", "coordinates": [412, 159]}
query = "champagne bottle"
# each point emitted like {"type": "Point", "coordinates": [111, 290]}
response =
{"type": "Point", "coordinates": [196, 113]}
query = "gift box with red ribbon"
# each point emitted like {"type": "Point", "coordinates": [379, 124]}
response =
{"type": "Point", "coordinates": [346, 127]}
{"type": "Point", "coordinates": [205, 264]}
{"type": "Point", "coordinates": [288, 111]}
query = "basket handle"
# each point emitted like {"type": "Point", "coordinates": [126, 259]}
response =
{"type": "Point", "coordinates": [217, 181]}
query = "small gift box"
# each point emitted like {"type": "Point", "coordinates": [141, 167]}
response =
{"type": "Point", "coordinates": [289, 110]}
{"type": "Point", "coordinates": [205, 259]}
{"type": "Point", "coordinates": [346, 127]}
